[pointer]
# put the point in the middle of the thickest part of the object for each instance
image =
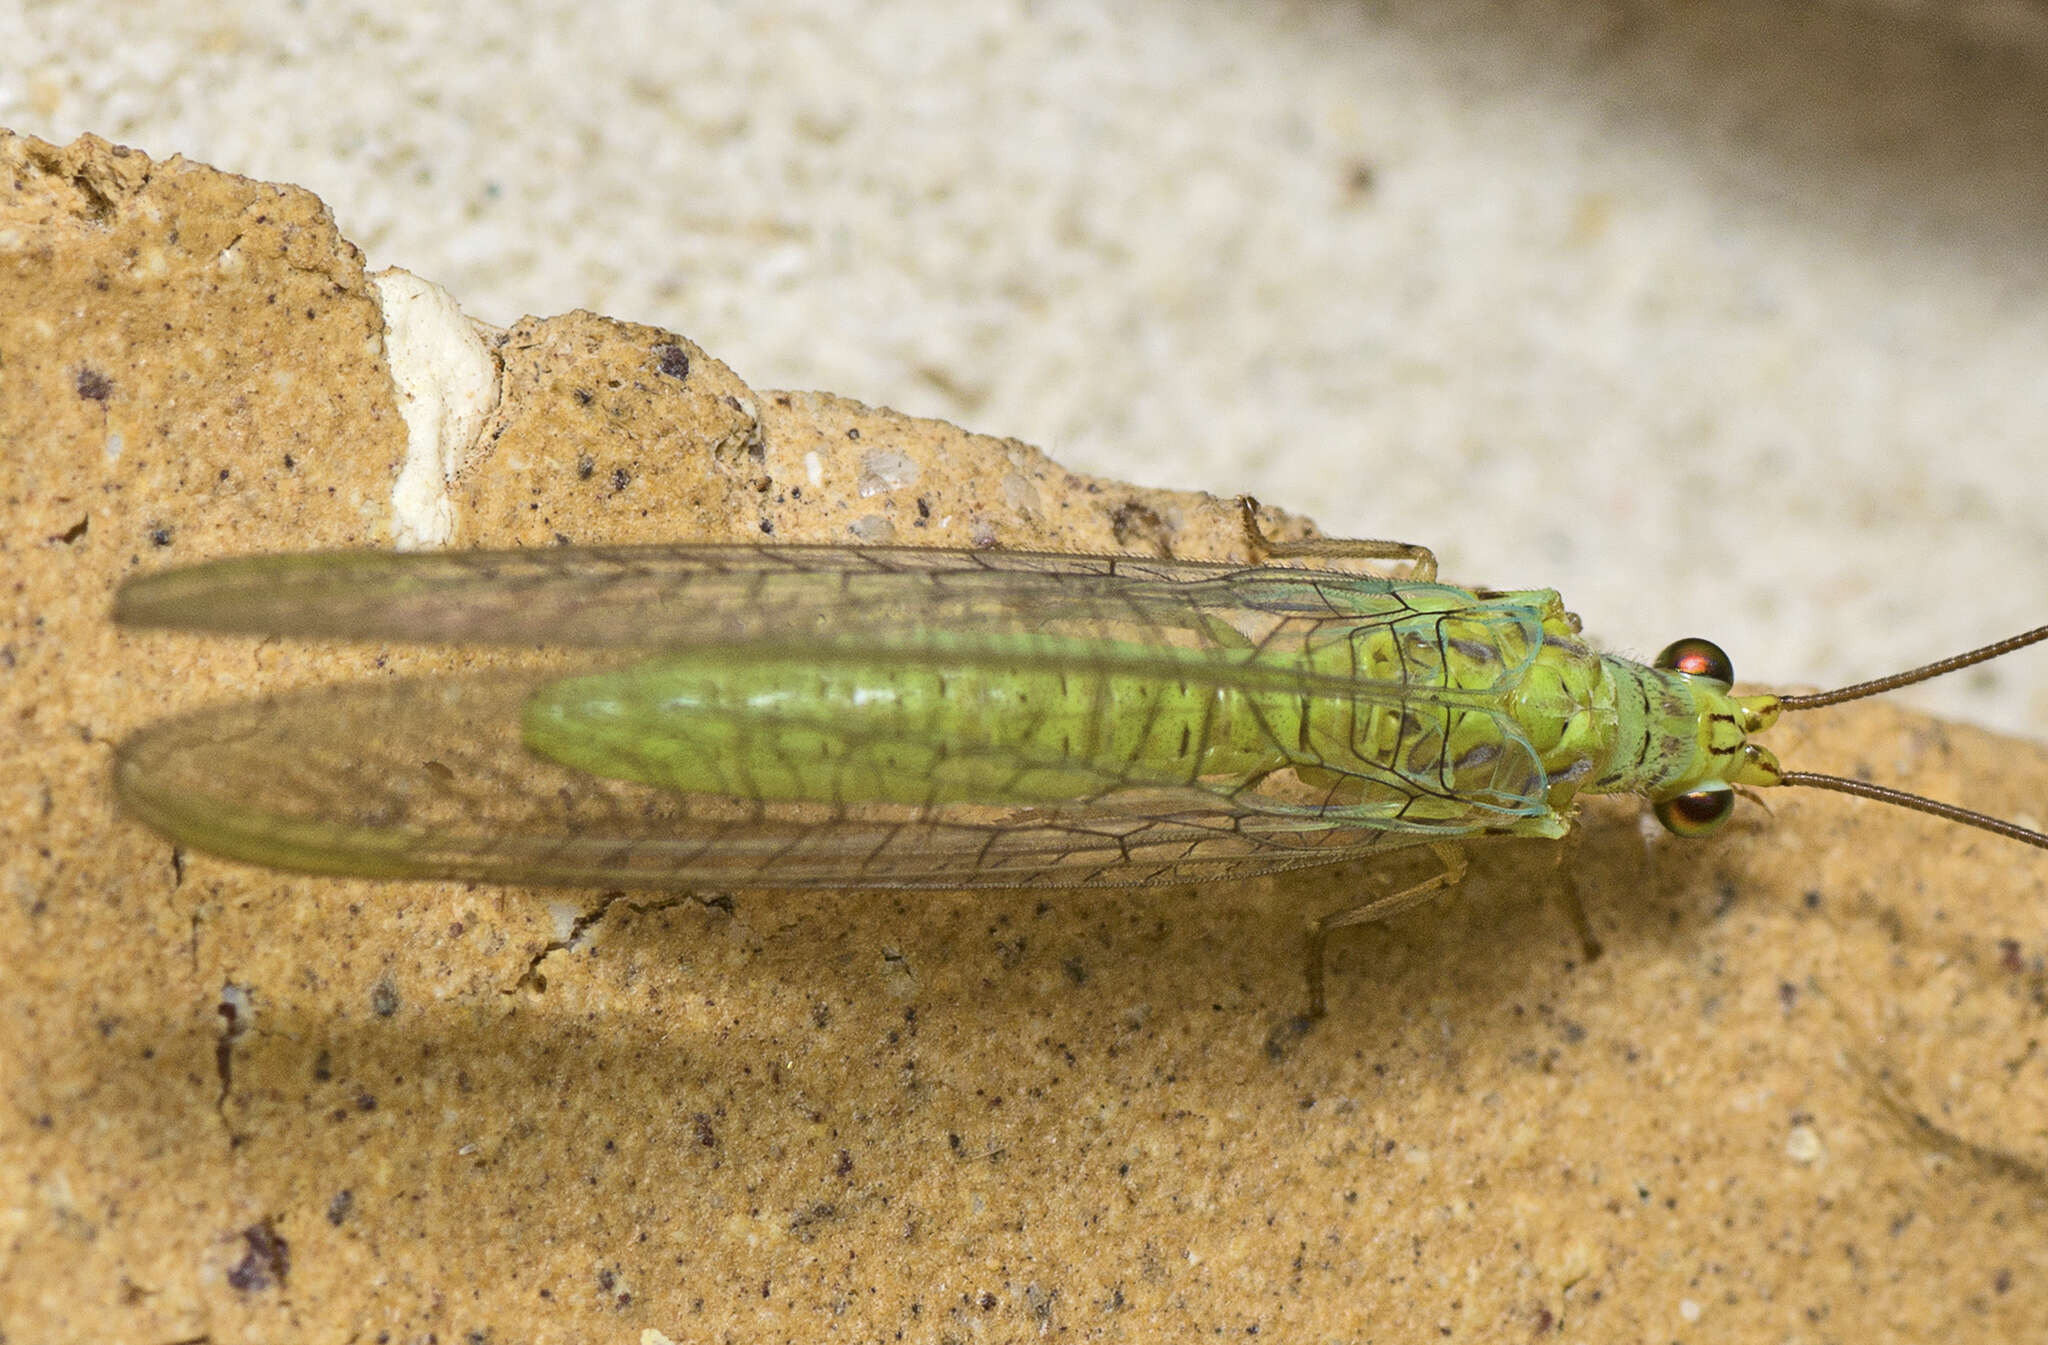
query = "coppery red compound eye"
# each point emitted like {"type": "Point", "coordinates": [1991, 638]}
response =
{"type": "Point", "coordinates": [1701, 658]}
{"type": "Point", "coordinates": [1697, 813]}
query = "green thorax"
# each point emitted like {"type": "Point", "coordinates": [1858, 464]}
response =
{"type": "Point", "coordinates": [1602, 724]}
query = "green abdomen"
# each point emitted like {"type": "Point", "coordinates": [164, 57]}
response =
{"type": "Point", "coordinates": [881, 731]}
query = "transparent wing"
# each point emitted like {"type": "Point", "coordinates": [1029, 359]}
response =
{"type": "Point", "coordinates": [426, 778]}
{"type": "Point", "coordinates": [643, 597]}
{"type": "Point", "coordinates": [888, 599]}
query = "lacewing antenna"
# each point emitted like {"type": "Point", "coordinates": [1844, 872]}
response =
{"type": "Point", "coordinates": [1899, 798]}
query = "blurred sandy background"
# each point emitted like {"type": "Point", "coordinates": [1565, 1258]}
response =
{"type": "Point", "coordinates": [1726, 318]}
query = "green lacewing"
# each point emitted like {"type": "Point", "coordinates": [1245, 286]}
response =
{"type": "Point", "coordinates": [710, 715]}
